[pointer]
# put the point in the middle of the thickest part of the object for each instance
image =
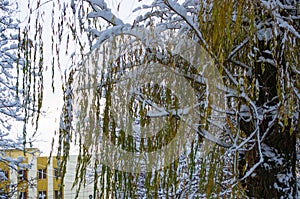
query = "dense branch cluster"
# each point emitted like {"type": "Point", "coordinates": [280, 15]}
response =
{"type": "Point", "coordinates": [255, 48]}
{"type": "Point", "coordinates": [10, 103]}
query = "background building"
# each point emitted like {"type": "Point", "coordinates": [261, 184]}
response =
{"type": "Point", "coordinates": [42, 180]}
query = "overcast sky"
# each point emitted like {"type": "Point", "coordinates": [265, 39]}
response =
{"type": "Point", "coordinates": [53, 102]}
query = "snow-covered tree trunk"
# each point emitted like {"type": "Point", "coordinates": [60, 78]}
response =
{"type": "Point", "coordinates": [275, 177]}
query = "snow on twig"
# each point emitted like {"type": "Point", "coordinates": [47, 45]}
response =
{"type": "Point", "coordinates": [101, 10]}
{"type": "Point", "coordinates": [261, 159]}
{"type": "Point", "coordinates": [181, 11]}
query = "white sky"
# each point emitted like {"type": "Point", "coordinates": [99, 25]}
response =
{"type": "Point", "coordinates": [53, 102]}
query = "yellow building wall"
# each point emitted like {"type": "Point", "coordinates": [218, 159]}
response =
{"type": "Point", "coordinates": [42, 184]}
{"type": "Point", "coordinates": [4, 184]}
{"type": "Point", "coordinates": [22, 185]}
{"type": "Point", "coordinates": [50, 184]}
{"type": "Point", "coordinates": [56, 181]}
{"type": "Point", "coordinates": [15, 153]}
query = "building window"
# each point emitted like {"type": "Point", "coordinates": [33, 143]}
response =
{"type": "Point", "coordinates": [57, 194]}
{"type": "Point", "coordinates": [42, 174]}
{"type": "Point", "coordinates": [42, 195]}
{"type": "Point", "coordinates": [3, 175]}
{"type": "Point", "coordinates": [57, 173]}
{"type": "Point", "coordinates": [22, 174]}
{"type": "Point", "coordinates": [22, 195]}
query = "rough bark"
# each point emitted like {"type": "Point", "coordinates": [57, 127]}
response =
{"type": "Point", "coordinates": [276, 176]}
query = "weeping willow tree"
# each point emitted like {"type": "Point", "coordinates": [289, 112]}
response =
{"type": "Point", "coordinates": [254, 47]}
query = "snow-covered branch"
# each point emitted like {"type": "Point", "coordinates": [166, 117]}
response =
{"type": "Point", "coordinates": [102, 11]}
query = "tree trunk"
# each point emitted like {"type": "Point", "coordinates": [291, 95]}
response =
{"type": "Point", "coordinates": [276, 176]}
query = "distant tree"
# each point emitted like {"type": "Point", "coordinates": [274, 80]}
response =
{"type": "Point", "coordinates": [11, 106]}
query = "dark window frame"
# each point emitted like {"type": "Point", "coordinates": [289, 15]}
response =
{"type": "Point", "coordinates": [57, 194]}
{"type": "Point", "coordinates": [6, 174]}
{"type": "Point", "coordinates": [41, 194]}
{"type": "Point", "coordinates": [22, 174]}
{"type": "Point", "coordinates": [22, 195]}
{"type": "Point", "coordinates": [56, 173]}
{"type": "Point", "coordinates": [42, 174]}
